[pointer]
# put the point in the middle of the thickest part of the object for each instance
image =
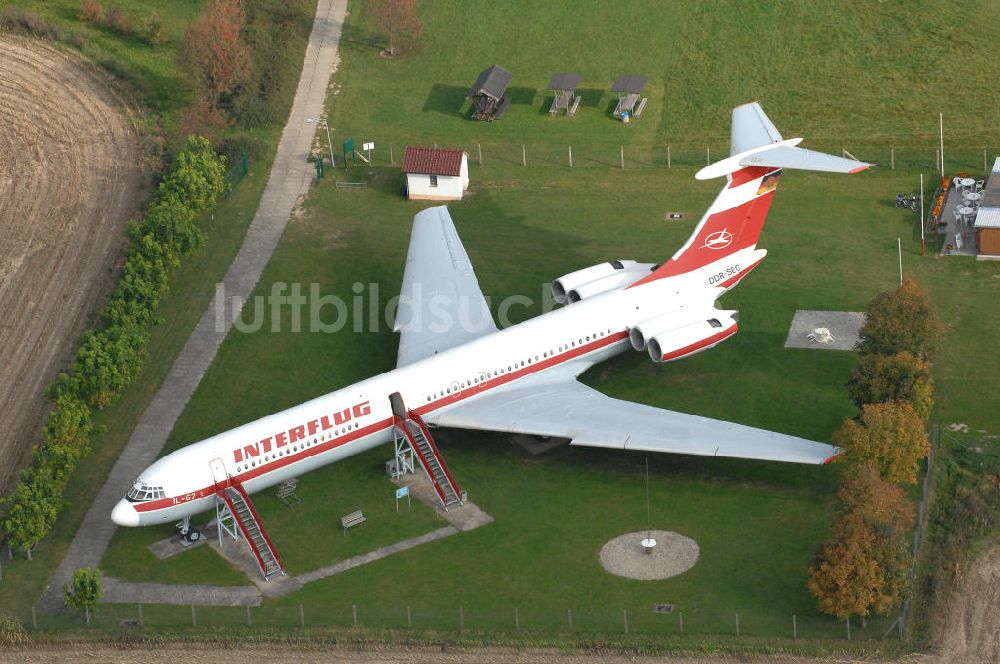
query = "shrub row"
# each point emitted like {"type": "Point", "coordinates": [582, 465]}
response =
{"type": "Point", "coordinates": [21, 20]}
{"type": "Point", "coordinates": [112, 353]}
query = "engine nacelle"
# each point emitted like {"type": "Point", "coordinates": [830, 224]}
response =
{"type": "Point", "coordinates": [597, 279]}
{"type": "Point", "coordinates": [692, 338]}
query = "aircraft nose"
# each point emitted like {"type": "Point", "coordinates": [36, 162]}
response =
{"type": "Point", "coordinates": [124, 514]}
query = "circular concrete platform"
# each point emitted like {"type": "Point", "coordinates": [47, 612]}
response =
{"type": "Point", "coordinates": [673, 554]}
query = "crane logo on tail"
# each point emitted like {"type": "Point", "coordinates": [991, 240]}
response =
{"type": "Point", "coordinates": [718, 240]}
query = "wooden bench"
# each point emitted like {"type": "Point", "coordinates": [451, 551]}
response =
{"type": "Point", "coordinates": [642, 105]}
{"type": "Point", "coordinates": [576, 105]}
{"type": "Point", "coordinates": [352, 519]}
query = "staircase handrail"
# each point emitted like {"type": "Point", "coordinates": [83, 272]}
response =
{"type": "Point", "coordinates": [243, 529]}
{"type": "Point", "coordinates": [256, 517]}
{"type": "Point", "coordinates": [401, 425]}
{"type": "Point", "coordinates": [415, 416]}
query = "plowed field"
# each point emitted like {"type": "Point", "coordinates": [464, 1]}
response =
{"type": "Point", "coordinates": [69, 179]}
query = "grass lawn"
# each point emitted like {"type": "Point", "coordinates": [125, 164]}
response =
{"type": "Point", "coordinates": [839, 76]}
{"type": "Point", "coordinates": [151, 71]}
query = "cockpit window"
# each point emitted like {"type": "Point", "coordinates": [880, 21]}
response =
{"type": "Point", "coordinates": [141, 492]}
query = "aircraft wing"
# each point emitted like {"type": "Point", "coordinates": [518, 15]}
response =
{"type": "Point", "coordinates": [569, 409]}
{"type": "Point", "coordinates": [440, 303]}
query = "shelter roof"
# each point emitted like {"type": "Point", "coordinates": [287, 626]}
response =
{"type": "Point", "coordinates": [564, 81]}
{"type": "Point", "coordinates": [633, 84]}
{"type": "Point", "coordinates": [433, 161]}
{"type": "Point", "coordinates": [988, 217]}
{"type": "Point", "coordinates": [493, 83]}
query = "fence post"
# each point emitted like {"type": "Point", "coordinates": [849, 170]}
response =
{"type": "Point", "coordinates": [391, 161]}
{"type": "Point", "coordinates": [625, 619]}
{"type": "Point", "coordinates": [571, 156]}
{"type": "Point", "coordinates": [354, 614]}
{"type": "Point", "coordinates": [795, 628]}
{"type": "Point", "coordinates": [569, 618]}
{"type": "Point", "coordinates": [668, 156]}
{"type": "Point", "coordinates": [737, 624]}
{"type": "Point", "coordinates": [302, 616]}
{"type": "Point", "coordinates": [479, 147]}
{"type": "Point", "coordinates": [517, 619]}
{"type": "Point", "coordinates": [622, 154]}
{"type": "Point", "coordinates": [34, 617]}
{"type": "Point", "coordinates": [86, 611]}
{"type": "Point", "coordinates": [984, 160]}
{"type": "Point", "coordinates": [141, 623]}
{"type": "Point", "coordinates": [524, 155]}
{"type": "Point", "coordinates": [680, 619]}
{"type": "Point", "coordinates": [892, 158]}
{"type": "Point", "coordinates": [708, 156]}
{"type": "Point", "coordinates": [848, 621]}
{"type": "Point", "coordinates": [249, 618]}
{"type": "Point", "coordinates": [461, 617]}
{"type": "Point", "coordinates": [937, 159]}
{"type": "Point", "coordinates": [194, 619]}
{"type": "Point", "coordinates": [409, 618]}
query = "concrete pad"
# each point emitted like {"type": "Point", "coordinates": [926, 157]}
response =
{"type": "Point", "coordinates": [843, 325]}
{"type": "Point", "coordinates": [465, 517]}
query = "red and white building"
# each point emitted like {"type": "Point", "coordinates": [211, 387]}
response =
{"type": "Point", "coordinates": [435, 174]}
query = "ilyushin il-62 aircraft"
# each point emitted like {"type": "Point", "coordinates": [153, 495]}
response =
{"type": "Point", "coordinates": [519, 379]}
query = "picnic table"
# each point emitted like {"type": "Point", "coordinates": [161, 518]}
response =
{"type": "Point", "coordinates": [564, 85]}
{"type": "Point", "coordinates": [630, 100]}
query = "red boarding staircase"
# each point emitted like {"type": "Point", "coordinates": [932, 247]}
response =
{"type": "Point", "coordinates": [253, 529]}
{"type": "Point", "coordinates": [411, 425]}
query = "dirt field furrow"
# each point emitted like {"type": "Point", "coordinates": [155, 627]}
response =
{"type": "Point", "coordinates": [69, 180]}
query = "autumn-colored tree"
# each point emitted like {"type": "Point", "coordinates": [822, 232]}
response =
{"type": "Point", "coordinates": [901, 377]}
{"type": "Point", "coordinates": [902, 319]}
{"type": "Point", "coordinates": [889, 437]}
{"type": "Point", "coordinates": [90, 11]}
{"type": "Point", "coordinates": [397, 19]}
{"type": "Point", "coordinates": [844, 578]}
{"type": "Point", "coordinates": [864, 567]}
{"type": "Point", "coordinates": [215, 54]}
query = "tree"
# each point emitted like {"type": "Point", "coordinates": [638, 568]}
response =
{"type": "Point", "coordinates": [31, 509]}
{"type": "Point", "coordinates": [844, 577]}
{"type": "Point", "coordinates": [84, 591]}
{"type": "Point", "coordinates": [214, 52]}
{"type": "Point", "coordinates": [901, 377]}
{"type": "Point", "coordinates": [395, 18]}
{"type": "Point", "coordinates": [864, 567]}
{"type": "Point", "coordinates": [902, 319]}
{"type": "Point", "coordinates": [69, 423]}
{"type": "Point", "coordinates": [196, 178]}
{"type": "Point", "coordinates": [889, 436]}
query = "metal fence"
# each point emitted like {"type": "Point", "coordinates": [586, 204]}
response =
{"type": "Point", "coordinates": [239, 170]}
{"type": "Point", "coordinates": [621, 156]}
{"type": "Point", "coordinates": [648, 621]}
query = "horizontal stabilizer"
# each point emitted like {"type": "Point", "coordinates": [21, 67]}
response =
{"type": "Point", "coordinates": [786, 156]}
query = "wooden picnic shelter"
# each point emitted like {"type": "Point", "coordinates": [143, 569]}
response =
{"type": "Point", "coordinates": [630, 99]}
{"type": "Point", "coordinates": [489, 94]}
{"type": "Point", "coordinates": [564, 85]}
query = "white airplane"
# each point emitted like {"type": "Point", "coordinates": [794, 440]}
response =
{"type": "Point", "coordinates": [522, 378]}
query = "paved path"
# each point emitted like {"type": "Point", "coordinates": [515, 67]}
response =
{"type": "Point", "coordinates": [289, 180]}
{"type": "Point", "coordinates": [377, 554]}
{"type": "Point", "coordinates": [121, 592]}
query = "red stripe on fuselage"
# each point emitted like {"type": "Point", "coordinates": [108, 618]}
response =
{"type": "Point", "coordinates": [385, 424]}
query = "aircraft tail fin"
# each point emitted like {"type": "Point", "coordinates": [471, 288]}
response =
{"type": "Point", "coordinates": [733, 223]}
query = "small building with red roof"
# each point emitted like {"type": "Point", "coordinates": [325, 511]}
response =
{"type": "Point", "coordinates": [435, 174]}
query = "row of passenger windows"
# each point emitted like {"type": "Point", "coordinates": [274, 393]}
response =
{"type": "Point", "coordinates": [457, 386]}
{"type": "Point", "coordinates": [253, 463]}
